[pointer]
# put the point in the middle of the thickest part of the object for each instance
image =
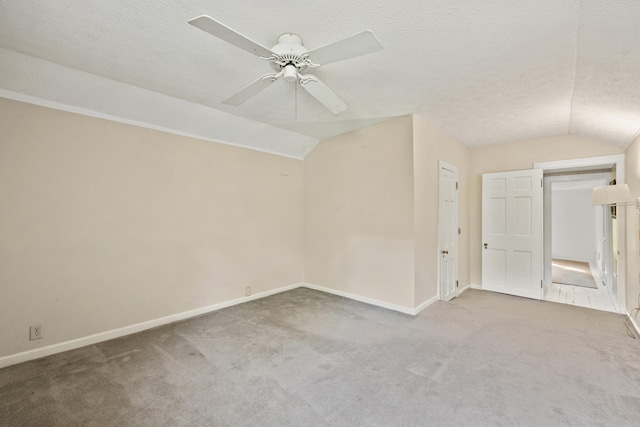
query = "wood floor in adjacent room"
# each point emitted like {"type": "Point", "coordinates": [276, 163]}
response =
{"type": "Point", "coordinates": [306, 358]}
{"type": "Point", "coordinates": [599, 299]}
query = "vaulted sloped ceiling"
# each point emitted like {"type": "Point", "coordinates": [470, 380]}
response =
{"type": "Point", "coordinates": [484, 71]}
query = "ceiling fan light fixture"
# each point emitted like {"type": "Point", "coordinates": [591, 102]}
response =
{"type": "Point", "coordinates": [290, 73]}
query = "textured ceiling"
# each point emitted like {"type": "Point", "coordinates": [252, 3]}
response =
{"type": "Point", "coordinates": [483, 71]}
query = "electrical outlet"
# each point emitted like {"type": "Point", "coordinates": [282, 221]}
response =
{"type": "Point", "coordinates": [35, 332]}
{"type": "Point", "coordinates": [247, 291]}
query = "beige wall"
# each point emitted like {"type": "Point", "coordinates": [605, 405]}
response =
{"type": "Point", "coordinates": [359, 213]}
{"type": "Point", "coordinates": [632, 177]}
{"type": "Point", "coordinates": [104, 225]}
{"type": "Point", "coordinates": [430, 145]}
{"type": "Point", "coordinates": [515, 156]}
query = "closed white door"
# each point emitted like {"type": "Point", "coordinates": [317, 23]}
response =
{"type": "Point", "coordinates": [448, 231]}
{"type": "Point", "coordinates": [512, 232]}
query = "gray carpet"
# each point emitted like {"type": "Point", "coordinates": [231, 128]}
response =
{"type": "Point", "coordinates": [305, 358]}
{"type": "Point", "coordinates": [575, 273]}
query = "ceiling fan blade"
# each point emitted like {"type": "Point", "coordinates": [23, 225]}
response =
{"type": "Point", "coordinates": [360, 44]}
{"type": "Point", "coordinates": [323, 94]}
{"type": "Point", "coordinates": [251, 90]}
{"type": "Point", "coordinates": [221, 31]}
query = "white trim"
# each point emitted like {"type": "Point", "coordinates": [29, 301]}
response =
{"type": "Point", "coordinates": [477, 287]}
{"type": "Point", "coordinates": [425, 304]}
{"type": "Point", "coordinates": [84, 112]}
{"type": "Point", "coordinates": [635, 324]}
{"type": "Point", "coordinates": [366, 300]}
{"type": "Point", "coordinates": [582, 162]}
{"type": "Point", "coordinates": [607, 161]}
{"type": "Point", "coordinates": [131, 329]}
{"type": "Point", "coordinates": [442, 164]}
{"type": "Point", "coordinates": [37, 353]}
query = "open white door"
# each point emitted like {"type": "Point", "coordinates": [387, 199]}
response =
{"type": "Point", "coordinates": [448, 231]}
{"type": "Point", "coordinates": [512, 233]}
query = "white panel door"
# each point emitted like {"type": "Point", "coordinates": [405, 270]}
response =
{"type": "Point", "coordinates": [512, 232]}
{"type": "Point", "coordinates": [448, 231]}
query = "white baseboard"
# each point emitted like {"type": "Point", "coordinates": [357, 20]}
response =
{"type": "Point", "coordinates": [635, 324]}
{"type": "Point", "coordinates": [131, 329]}
{"type": "Point", "coordinates": [139, 327]}
{"type": "Point", "coordinates": [366, 300]}
{"type": "Point", "coordinates": [425, 304]}
{"type": "Point", "coordinates": [463, 290]}
{"type": "Point", "coordinates": [472, 286]}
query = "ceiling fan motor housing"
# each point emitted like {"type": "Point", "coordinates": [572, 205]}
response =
{"type": "Point", "coordinates": [290, 56]}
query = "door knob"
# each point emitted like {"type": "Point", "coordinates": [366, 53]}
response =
{"type": "Point", "coordinates": [485, 245]}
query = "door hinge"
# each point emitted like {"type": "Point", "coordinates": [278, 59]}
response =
{"type": "Point", "coordinates": [456, 185]}
{"type": "Point", "coordinates": [456, 283]}
{"type": "Point", "coordinates": [541, 283]}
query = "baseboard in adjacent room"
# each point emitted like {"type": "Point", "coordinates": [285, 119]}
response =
{"type": "Point", "coordinates": [37, 353]}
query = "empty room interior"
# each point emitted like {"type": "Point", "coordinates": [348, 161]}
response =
{"type": "Point", "coordinates": [319, 213]}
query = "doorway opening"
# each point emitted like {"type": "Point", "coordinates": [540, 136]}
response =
{"type": "Point", "coordinates": [581, 239]}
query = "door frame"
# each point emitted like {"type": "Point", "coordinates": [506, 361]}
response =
{"type": "Point", "coordinates": [444, 165]}
{"type": "Point", "coordinates": [594, 163]}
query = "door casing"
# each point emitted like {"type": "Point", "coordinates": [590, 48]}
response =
{"type": "Point", "coordinates": [595, 163]}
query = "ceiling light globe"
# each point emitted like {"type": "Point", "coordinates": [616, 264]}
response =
{"type": "Point", "coordinates": [290, 73]}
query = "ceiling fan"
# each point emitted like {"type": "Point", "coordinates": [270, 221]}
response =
{"type": "Point", "coordinates": [290, 59]}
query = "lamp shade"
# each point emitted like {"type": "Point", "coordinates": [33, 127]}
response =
{"type": "Point", "coordinates": [611, 194]}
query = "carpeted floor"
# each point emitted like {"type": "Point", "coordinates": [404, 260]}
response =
{"type": "Point", "coordinates": [574, 273]}
{"type": "Point", "coordinates": [305, 358]}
